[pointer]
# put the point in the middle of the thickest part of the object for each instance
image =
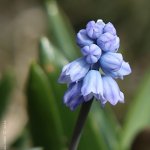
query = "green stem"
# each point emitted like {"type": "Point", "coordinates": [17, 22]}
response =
{"type": "Point", "coordinates": [80, 124]}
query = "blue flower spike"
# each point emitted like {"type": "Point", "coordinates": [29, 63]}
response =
{"type": "Point", "coordinates": [93, 75]}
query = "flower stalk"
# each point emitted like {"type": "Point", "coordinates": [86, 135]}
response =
{"type": "Point", "coordinates": [80, 124]}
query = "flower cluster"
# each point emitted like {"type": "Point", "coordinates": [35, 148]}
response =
{"type": "Point", "coordinates": [93, 74]}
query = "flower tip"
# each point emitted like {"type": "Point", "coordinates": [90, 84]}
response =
{"type": "Point", "coordinates": [72, 108]}
{"type": "Point", "coordinates": [126, 67]}
{"type": "Point", "coordinates": [99, 20]}
{"type": "Point", "coordinates": [130, 70]}
{"type": "Point", "coordinates": [95, 29]}
{"type": "Point", "coordinates": [60, 79]}
{"type": "Point", "coordinates": [121, 97]}
{"type": "Point", "coordinates": [64, 79]}
{"type": "Point", "coordinates": [110, 28]}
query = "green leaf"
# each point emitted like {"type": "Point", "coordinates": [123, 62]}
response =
{"type": "Point", "coordinates": [23, 141]}
{"type": "Point", "coordinates": [106, 122]}
{"type": "Point", "coordinates": [6, 86]}
{"type": "Point", "coordinates": [92, 137]}
{"type": "Point", "coordinates": [61, 31]}
{"type": "Point", "coordinates": [52, 62]}
{"type": "Point", "coordinates": [50, 58]}
{"type": "Point", "coordinates": [45, 123]}
{"type": "Point", "coordinates": [36, 148]}
{"type": "Point", "coordinates": [138, 115]}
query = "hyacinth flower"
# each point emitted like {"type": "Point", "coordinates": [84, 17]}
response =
{"type": "Point", "coordinates": [93, 75]}
{"type": "Point", "coordinates": [99, 44]}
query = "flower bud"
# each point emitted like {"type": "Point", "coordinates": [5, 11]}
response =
{"type": "Point", "coordinates": [95, 29]}
{"type": "Point", "coordinates": [110, 28]}
{"type": "Point", "coordinates": [111, 61]}
{"type": "Point", "coordinates": [92, 53]}
{"type": "Point", "coordinates": [83, 39]}
{"type": "Point", "coordinates": [108, 42]}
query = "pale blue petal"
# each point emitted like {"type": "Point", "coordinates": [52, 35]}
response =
{"type": "Point", "coordinates": [74, 103]}
{"type": "Point", "coordinates": [74, 90]}
{"type": "Point", "coordinates": [64, 78]}
{"type": "Point", "coordinates": [73, 97]}
{"type": "Point", "coordinates": [74, 71]}
{"type": "Point", "coordinates": [111, 89]}
{"type": "Point", "coordinates": [123, 71]}
{"type": "Point", "coordinates": [92, 85]}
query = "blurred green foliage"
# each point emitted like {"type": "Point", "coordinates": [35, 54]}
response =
{"type": "Point", "coordinates": [43, 111]}
{"type": "Point", "coordinates": [61, 31]}
{"type": "Point", "coordinates": [137, 117]}
{"type": "Point", "coordinates": [50, 122]}
{"type": "Point", "coordinates": [6, 87]}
